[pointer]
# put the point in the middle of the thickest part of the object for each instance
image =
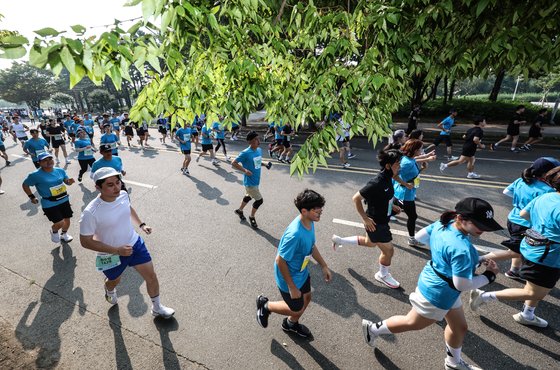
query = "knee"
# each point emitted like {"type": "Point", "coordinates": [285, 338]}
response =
{"type": "Point", "coordinates": [258, 203]}
{"type": "Point", "coordinates": [151, 277]}
{"type": "Point", "coordinates": [246, 199]}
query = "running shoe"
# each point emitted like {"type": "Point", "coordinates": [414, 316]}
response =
{"type": "Point", "coordinates": [368, 337]}
{"type": "Point", "coordinates": [215, 162]}
{"type": "Point", "coordinates": [68, 162]}
{"type": "Point", "coordinates": [387, 280]}
{"type": "Point", "coordinates": [537, 321]}
{"type": "Point", "coordinates": [163, 311]}
{"type": "Point", "coordinates": [66, 237]}
{"type": "Point", "coordinates": [262, 312]}
{"type": "Point", "coordinates": [55, 237]}
{"type": "Point", "coordinates": [492, 147]}
{"type": "Point", "coordinates": [412, 242]}
{"type": "Point", "coordinates": [79, 178]}
{"type": "Point", "coordinates": [240, 214]}
{"type": "Point", "coordinates": [270, 153]}
{"type": "Point", "coordinates": [473, 175]}
{"type": "Point", "coordinates": [253, 222]}
{"type": "Point", "coordinates": [514, 275]}
{"type": "Point", "coordinates": [57, 162]}
{"type": "Point", "coordinates": [346, 165]}
{"type": "Point", "coordinates": [198, 159]}
{"type": "Point", "coordinates": [111, 297]}
{"type": "Point", "coordinates": [514, 150]}
{"type": "Point", "coordinates": [475, 300]}
{"type": "Point", "coordinates": [296, 327]}
{"type": "Point", "coordinates": [186, 172]}
{"type": "Point", "coordinates": [336, 242]}
{"type": "Point", "coordinates": [268, 165]}
{"type": "Point", "coordinates": [281, 160]}
{"type": "Point", "coordinates": [351, 156]}
{"type": "Point", "coordinates": [442, 167]}
{"type": "Point", "coordinates": [452, 158]}
{"type": "Point", "coordinates": [462, 365]}
{"type": "Point", "coordinates": [2, 192]}
{"type": "Point", "coordinates": [228, 159]}
{"type": "Point", "coordinates": [8, 163]}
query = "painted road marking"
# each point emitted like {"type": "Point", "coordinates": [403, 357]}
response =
{"type": "Point", "coordinates": [22, 157]}
{"type": "Point", "coordinates": [360, 225]}
{"type": "Point", "coordinates": [126, 181]}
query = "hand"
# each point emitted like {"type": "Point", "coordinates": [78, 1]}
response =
{"type": "Point", "coordinates": [327, 274]}
{"type": "Point", "coordinates": [146, 229]}
{"type": "Point", "coordinates": [423, 165]}
{"type": "Point", "coordinates": [124, 251]}
{"type": "Point", "coordinates": [491, 266]}
{"type": "Point", "coordinates": [248, 173]}
{"type": "Point", "coordinates": [431, 158]}
{"type": "Point", "coordinates": [70, 181]}
{"type": "Point", "coordinates": [396, 209]}
{"type": "Point", "coordinates": [408, 186]}
{"type": "Point", "coordinates": [295, 293]}
{"type": "Point", "coordinates": [369, 224]}
{"type": "Point", "coordinates": [34, 200]}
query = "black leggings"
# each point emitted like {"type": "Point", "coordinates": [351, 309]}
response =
{"type": "Point", "coordinates": [222, 144]}
{"type": "Point", "coordinates": [84, 164]}
{"type": "Point", "coordinates": [409, 207]}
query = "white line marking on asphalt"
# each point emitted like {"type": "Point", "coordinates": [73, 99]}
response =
{"type": "Point", "coordinates": [140, 184]}
{"type": "Point", "coordinates": [502, 160]}
{"type": "Point", "coordinates": [21, 156]}
{"type": "Point", "coordinates": [404, 233]}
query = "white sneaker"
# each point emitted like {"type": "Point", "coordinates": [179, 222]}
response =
{"type": "Point", "coordinates": [2, 192]}
{"type": "Point", "coordinates": [537, 321]}
{"type": "Point", "coordinates": [475, 300]}
{"type": "Point", "coordinates": [473, 175]}
{"type": "Point", "coordinates": [111, 297]}
{"type": "Point", "coordinates": [442, 167]}
{"type": "Point", "coordinates": [57, 162]}
{"type": "Point", "coordinates": [336, 242]}
{"type": "Point", "coordinates": [66, 237]}
{"type": "Point", "coordinates": [452, 158]}
{"type": "Point", "coordinates": [68, 162]}
{"type": "Point", "coordinates": [163, 311]}
{"type": "Point", "coordinates": [412, 242]}
{"type": "Point", "coordinates": [346, 165]}
{"type": "Point", "coordinates": [462, 365]}
{"type": "Point", "coordinates": [186, 172]}
{"type": "Point", "coordinates": [387, 280]}
{"type": "Point", "coordinates": [228, 159]}
{"type": "Point", "coordinates": [55, 237]}
{"type": "Point", "coordinates": [215, 162]}
{"type": "Point", "coordinates": [368, 337]}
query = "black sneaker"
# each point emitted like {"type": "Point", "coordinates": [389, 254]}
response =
{"type": "Point", "coordinates": [253, 222]}
{"type": "Point", "coordinates": [262, 312]}
{"type": "Point", "coordinates": [8, 163]}
{"type": "Point", "coordinates": [297, 328]}
{"type": "Point", "coordinates": [514, 150]}
{"type": "Point", "coordinates": [79, 178]}
{"type": "Point", "coordinates": [240, 214]}
{"type": "Point", "coordinates": [514, 275]}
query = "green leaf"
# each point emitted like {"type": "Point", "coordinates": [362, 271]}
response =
{"type": "Point", "coordinates": [212, 21]}
{"type": "Point", "coordinates": [148, 8]}
{"type": "Point", "coordinates": [88, 59]}
{"type": "Point", "coordinates": [79, 73]}
{"type": "Point", "coordinates": [78, 28]}
{"type": "Point", "coordinates": [14, 40]}
{"type": "Point", "coordinates": [68, 60]}
{"type": "Point", "coordinates": [48, 31]}
{"type": "Point", "coordinates": [38, 57]}
{"type": "Point", "coordinates": [13, 53]}
{"type": "Point", "coordinates": [482, 4]}
{"type": "Point", "coordinates": [377, 81]}
{"type": "Point", "coordinates": [393, 18]}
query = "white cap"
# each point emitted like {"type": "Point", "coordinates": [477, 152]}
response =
{"type": "Point", "coordinates": [105, 172]}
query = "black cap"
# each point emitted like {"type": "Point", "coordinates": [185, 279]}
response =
{"type": "Point", "coordinates": [105, 148]}
{"type": "Point", "coordinates": [544, 164]}
{"type": "Point", "coordinates": [479, 212]}
{"type": "Point", "coordinates": [251, 135]}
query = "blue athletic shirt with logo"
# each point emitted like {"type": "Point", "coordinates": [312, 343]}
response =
{"type": "Point", "coordinates": [185, 135]}
{"type": "Point", "coordinates": [111, 139]}
{"type": "Point", "coordinates": [89, 129]}
{"type": "Point", "coordinates": [277, 133]}
{"type": "Point", "coordinates": [447, 124]}
{"type": "Point", "coordinates": [1, 140]}
{"type": "Point", "coordinates": [219, 129]}
{"type": "Point", "coordinates": [408, 172]}
{"type": "Point", "coordinates": [545, 218]}
{"type": "Point", "coordinates": [49, 184]}
{"type": "Point", "coordinates": [295, 245]}
{"type": "Point", "coordinates": [115, 123]}
{"type": "Point", "coordinates": [35, 147]}
{"type": "Point", "coordinates": [83, 143]}
{"type": "Point", "coordinates": [523, 194]}
{"type": "Point", "coordinates": [206, 138]}
{"type": "Point", "coordinates": [74, 127]}
{"type": "Point", "coordinates": [251, 159]}
{"type": "Point", "coordinates": [88, 122]}
{"type": "Point", "coordinates": [69, 126]}
{"type": "Point", "coordinates": [452, 255]}
{"type": "Point", "coordinates": [115, 162]}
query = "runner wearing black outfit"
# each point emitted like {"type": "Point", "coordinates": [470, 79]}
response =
{"type": "Point", "coordinates": [413, 119]}
{"type": "Point", "coordinates": [535, 132]}
{"type": "Point", "coordinates": [513, 129]}
{"type": "Point", "coordinates": [473, 141]}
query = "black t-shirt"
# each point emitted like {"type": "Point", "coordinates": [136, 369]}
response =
{"type": "Point", "coordinates": [516, 117]}
{"type": "Point", "coordinates": [378, 194]}
{"type": "Point", "coordinates": [539, 121]}
{"type": "Point", "coordinates": [55, 130]}
{"type": "Point", "coordinates": [471, 134]}
{"type": "Point", "coordinates": [287, 130]}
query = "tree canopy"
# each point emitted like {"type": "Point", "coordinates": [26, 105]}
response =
{"type": "Point", "coordinates": [25, 83]}
{"type": "Point", "coordinates": [305, 60]}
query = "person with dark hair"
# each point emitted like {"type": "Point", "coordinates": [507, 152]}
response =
{"type": "Point", "coordinates": [111, 139]}
{"type": "Point", "coordinates": [296, 248]}
{"type": "Point", "coordinates": [535, 131]}
{"type": "Point", "coordinates": [342, 130]}
{"type": "Point", "coordinates": [450, 272]}
{"type": "Point", "coordinates": [184, 135]}
{"type": "Point", "coordinates": [106, 227]}
{"type": "Point", "coordinates": [473, 141]}
{"type": "Point", "coordinates": [85, 151]}
{"type": "Point", "coordinates": [43, 125]}
{"type": "Point", "coordinates": [35, 146]}
{"type": "Point", "coordinates": [445, 134]}
{"type": "Point", "coordinates": [287, 133]}
{"type": "Point", "coordinates": [396, 140]}
{"type": "Point", "coordinates": [3, 149]}
{"type": "Point", "coordinates": [219, 131]}
{"type": "Point", "coordinates": [513, 130]}
{"type": "Point", "coordinates": [529, 186]}
{"type": "Point", "coordinates": [416, 134]}
{"type": "Point", "coordinates": [407, 182]}
{"type": "Point", "coordinates": [206, 142]}
{"type": "Point", "coordinates": [413, 119]}
{"type": "Point", "coordinates": [378, 195]}
{"type": "Point", "coordinates": [56, 133]}
{"type": "Point", "coordinates": [540, 251]}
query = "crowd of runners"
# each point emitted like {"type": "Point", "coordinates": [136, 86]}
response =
{"type": "Point", "coordinates": [107, 224]}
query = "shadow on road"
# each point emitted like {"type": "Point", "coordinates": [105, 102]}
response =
{"type": "Point", "coordinates": [271, 239]}
{"type": "Point", "coordinates": [208, 192]}
{"type": "Point", "coordinates": [87, 195]}
{"type": "Point", "coordinates": [31, 208]}
{"type": "Point", "coordinates": [227, 175]}
{"type": "Point", "coordinates": [384, 360]}
{"type": "Point", "coordinates": [164, 327]}
{"type": "Point", "coordinates": [131, 285]}
{"type": "Point", "coordinates": [122, 357]}
{"type": "Point", "coordinates": [282, 353]}
{"type": "Point", "coordinates": [378, 288]}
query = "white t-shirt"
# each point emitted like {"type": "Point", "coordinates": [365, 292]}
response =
{"type": "Point", "coordinates": [19, 129]}
{"type": "Point", "coordinates": [109, 223]}
{"type": "Point", "coordinates": [346, 130]}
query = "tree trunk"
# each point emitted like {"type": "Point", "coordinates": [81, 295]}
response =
{"type": "Point", "coordinates": [434, 91]}
{"type": "Point", "coordinates": [445, 96]}
{"type": "Point", "coordinates": [126, 93]}
{"type": "Point", "coordinates": [244, 121]}
{"type": "Point", "coordinates": [418, 86]}
{"type": "Point", "coordinates": [497, 85]}
{"type": "Point", "coordinates": [451, 90]}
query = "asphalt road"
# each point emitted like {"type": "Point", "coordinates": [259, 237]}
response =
{"type": "Point", "coordinates": [211, 267]}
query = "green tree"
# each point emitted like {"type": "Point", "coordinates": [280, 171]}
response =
{"type": "Point", "coordinates": [63, 99]}
{"type": "Point", "coordinates": [100, 99]}
{"type": "Point", "coordinates": [25, 83]}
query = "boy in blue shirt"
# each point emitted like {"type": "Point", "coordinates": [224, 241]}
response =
{"type": "Point", "coordinates": [445, 134]}
{"type": "Point", "coordinates": [110, 138]}
{"type": "Point", "coordinates": [35, 146]}
{"type": "Point", "coordinates": [183, 135]}
{"type": "Point", "coordinates": [107, 160]}
{"type": "Point", "coordinates": [206, 143]}
{"type": "Point", "coordinates": [291, 272]}
{"type": "Point", "coordinates": [219, 131]}
{"type": "Point", "coordinates": [116, 125]}
{"type": "Point", "coordinates": [85, 151]}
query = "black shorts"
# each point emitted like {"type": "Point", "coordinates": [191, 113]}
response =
{"type": "Point", "coordinates": [207, 147]}
{"type": "Point", "coordinates": [513, 130]}
{"type": "Point", "coordinates": [535, 132]}
{"type": "Point", "coordinates": [2, 148]}
{"type": "Point", "coordinates": [58, 213]}
{"type": "Point", "coordinates": [194, 133]}
{"type": "Point", "coordinates": [279, 142]}
{"type": "Point", "coordinates": [23, 138]}
{"type": "Point", "coordinates": [541, 275]}
{"type": "Point", "coordinates": [297, 304]}
{"type": "Point", "coordinates": [286, 144]}
{"type": "Point", "coordinates": [443, 138]}
{"type": "Point", "coordinates": [516, 235]}
{"type": "Point", "coordinates": [186, 151]}
{"type": "Point", "coordinates": [71, 134]}
{"type": "Point", "coordinates": [468, 150]}
{"type": "Point", "coordinates": [128, 131]}
{"type": "Point", "coordinates": [36, 164]}
{"type": "Point", "coordinates": [382, 234]}
{"type": "Point", "coordinates": [57, 143]}
{"type": "Point", "coordinates": [162, 130]}
{"type": "Point", "coordinates": [140, 132]}
{"type": "Point", "coordinates": [235, 129]}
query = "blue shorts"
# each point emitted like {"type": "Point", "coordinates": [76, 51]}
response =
{"type": "Point", "coordinates": [140, 255]}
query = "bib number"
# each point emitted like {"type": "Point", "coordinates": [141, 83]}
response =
{"type": "Point", "coordinates": [58, 137]}
{"type": "Point", "coordinates": [417, 182]}
{"type": "Point", "coordinates": [113, 145]}
{"type": "Point", "coordinates": [39, 152]}
{"type": "Point", "coordinates": [257, 162]}
{"type": "Point", "coordinates": [305, 262]}
{"type": "Point", "coordinates": [105, 262]}
{"type": "Point", "coordinates": [186, 137]}
{"type": "Point", "coordinates": [88, 152]}
{"type": "Point", "coordinates": [58, 190]}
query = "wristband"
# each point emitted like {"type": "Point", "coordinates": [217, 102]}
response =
{"type": "Point", "coordinates": [490, 276]}
{"type": "Point", "coordinates": [144, 224]}
{"type": "Point", "coordinates": [31, 196]}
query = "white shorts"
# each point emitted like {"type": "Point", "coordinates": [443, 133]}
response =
{"type": "Point", "coordinates": [428, 310]}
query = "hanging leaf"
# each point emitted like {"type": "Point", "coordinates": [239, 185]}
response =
{"type": "Point", "coordinates": [48, 31]}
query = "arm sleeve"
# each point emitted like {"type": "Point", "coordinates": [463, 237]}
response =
{"type": "Point", "coordinates": [508, 192]}
{"type": "Point", "coordinates": [464, 284]}
{"type": "Point", "coordinates": [241, 158]}
{"type": "Point", "coordinates": [423, 236]}
{"type": "Point", "coordinates": [29, 181]}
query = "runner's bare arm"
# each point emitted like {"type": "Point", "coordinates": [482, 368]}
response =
{"type": "Point", "coordinates": [88, 242]}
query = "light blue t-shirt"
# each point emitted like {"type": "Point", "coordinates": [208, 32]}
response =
{"type": "Point", "coordinates": [115, 162]}
{"type": "Point", "coordinates": [447, 124]}
{"type": "Point", "coordinates": [35, 147]}
{"type": "Point", "coordinates": [83, 143]}
{"type": "Point", "coordinates": [74, 127]}
{"type": "Point", "coordinates": [545, 218]}
{"type": "Point", "coordinates": [452, 255]}
{"type": "Point", "coordinates": [1, 139]}
{"type": "Point", "coordinates": [206, 138]}
{"type": "Point", "coordinates": [111, 139]}
{"type": "Point", "coordinates": [185, 135]}
{"type": "Point", "coordinates": [89, 129]}
{"type": "Point", "coordinates": [278, 132]}
{"type": "Point", "coordinates": [408, 172]}
{"type": "Point", "coordinates": [89, 122]}
{"type": "Point", "coordinates": [522, 194]}
{"type": "Point", "coordinates": [296, 246]}
{"type": "Point", "coordinates": [49, 185]}
{"type": "Point", "coordinates": [115, 123]}
{"type": "Point", "coordinates": [251, 159]}
{"type": "Point", "coordinates": [218, 128]}
{"type": "Point", "coordinates": [69, 126]}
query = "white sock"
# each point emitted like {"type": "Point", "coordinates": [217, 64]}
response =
{"type": "Point", "coordinates": [349, 240]}
{"type": "Point", "coordinates": [379, 328]}
{"type": "Point", "coordinates": [453, 354]}
{"type": "Point", "coordinates": [528, 312]}
{"type": "Point", "coordinates": [488, 297]}
{"type": "Point", "coordinates": [384, 270]}
{"type": "Point", "coordinates": [155, 303]}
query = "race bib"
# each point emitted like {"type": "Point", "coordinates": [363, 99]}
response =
{"type": "Point", "coordinates": [305, 262]}
{"type": "Point", "coordinates": [39, 152]}
{"type": "Point", "coordinates": [288, 138]}
{"type": "Point", "coordinates": [417, 182]}
{"type": "Point", "coordinates": [88, 152]}
{"type": "Point", "coordinates": [58, 137]}
{"type": "Point", "coordinates": [58, 190]}
{"type": "Point", "coordinates": [105, 262]}
{"type": "Point", "coordinates": [186, 137]}
{"type": "Point", "coordinates": [113, 145]}
{"type": "Point", "coordinates": [257, 162]}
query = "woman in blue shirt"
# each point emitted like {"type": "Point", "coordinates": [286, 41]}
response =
{"type": "Point", "coordinates": [540, 258]}
{"type": "Point", "coordinates": [450, 272]}
{"type": "Point", "coordinates": [407, 181]}
{"type": "Point", "coordinates": [529, 186]}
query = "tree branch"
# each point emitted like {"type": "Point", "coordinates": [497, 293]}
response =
{"type": "Point", "coordinates": [280, 12]}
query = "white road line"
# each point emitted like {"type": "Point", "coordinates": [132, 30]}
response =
{"type": "Point", "coordinates": [21, 156]}
{"type": "Point", "coordinates": [404, 233]}
{"type": "Point", "coordinates": [126, 181]}
{"type": "Point", "coordinates": [502, 160]}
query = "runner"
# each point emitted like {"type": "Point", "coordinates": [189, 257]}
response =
{"type": "Point", "coordinates": [110, 138]}
{"type": "Point", "coordinates": [287, 134]}
{"type": "Point", "coordinates": [291, 272]}
{"type": "Point", "coordinates": [396, 140]}
{"type": "Point", "coordinates": [3, 149]}
{"type": "Point", "coordinates": [106, 227]}
{"type": "Point", "coordinates": [407, 182]}
{"type": "Point", "coordinates": [35, 146]}
{"type": "Point", "coordinates": [116, 126]}
{"type": "Point", "coordinates": [535, 131]}
{"type": "Point", "coordinates": [234, 131]}
{"type": "Point", "coordinates": [473, 140]}
{"type": "Point", "coordinates": [194, 131]}
{"type": "Point", "coordinates": [219, 132]}
{"type": "Point", "coordinates": [343, 141]}
{"type": "Point", "coordinates": [89, 123]}
{"type": "Point", "coordinates": [85, 150]}
{"type": "Point", "coordinates": [445, 134]}
{"type": "Point", "coordinates": [279, 145]}
{"type": "Point", "coordinates": [56, 133]}
{"type": "Point", "coordinates": [184, 137]}
{"type": "Point", "coordinates": [69, 127]}
{"type": "Point", "coordinates": [19, 131]}
{"type": "Point", "coordinates": [540, 250]}
{"type": "Point", "coordinates": [51, 182]}
{"type": "Point", "coordinates": [513, 130]}
{"type": "Point", "coordinates": [207, 146]}
{"type": "Point", "coordinates": [162, 129]}
{"type": "Point", "coordinates": [413, 119]}
{"type": "Point", "coordinates": [128, 131]}
{"type": "Point", "coordinates": [378, 195]}
{"type": "Point", "coordinates": [450, 272]}
{"type": "Point", "coordinates": [107, 160]}
{"type": "Point", "coordinates": [529, 186]}
{"type": "Point", "coordinates": [43, 125]}
{"type": "Point", "coordinates": [141, 132]}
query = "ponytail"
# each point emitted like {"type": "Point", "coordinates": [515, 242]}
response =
{"type": "Point", "coordinates": [552, 178]}
{"type": "Point", "coordinates": [528, 175]}
{"type": "Point", "coordinates": [446, 217]}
